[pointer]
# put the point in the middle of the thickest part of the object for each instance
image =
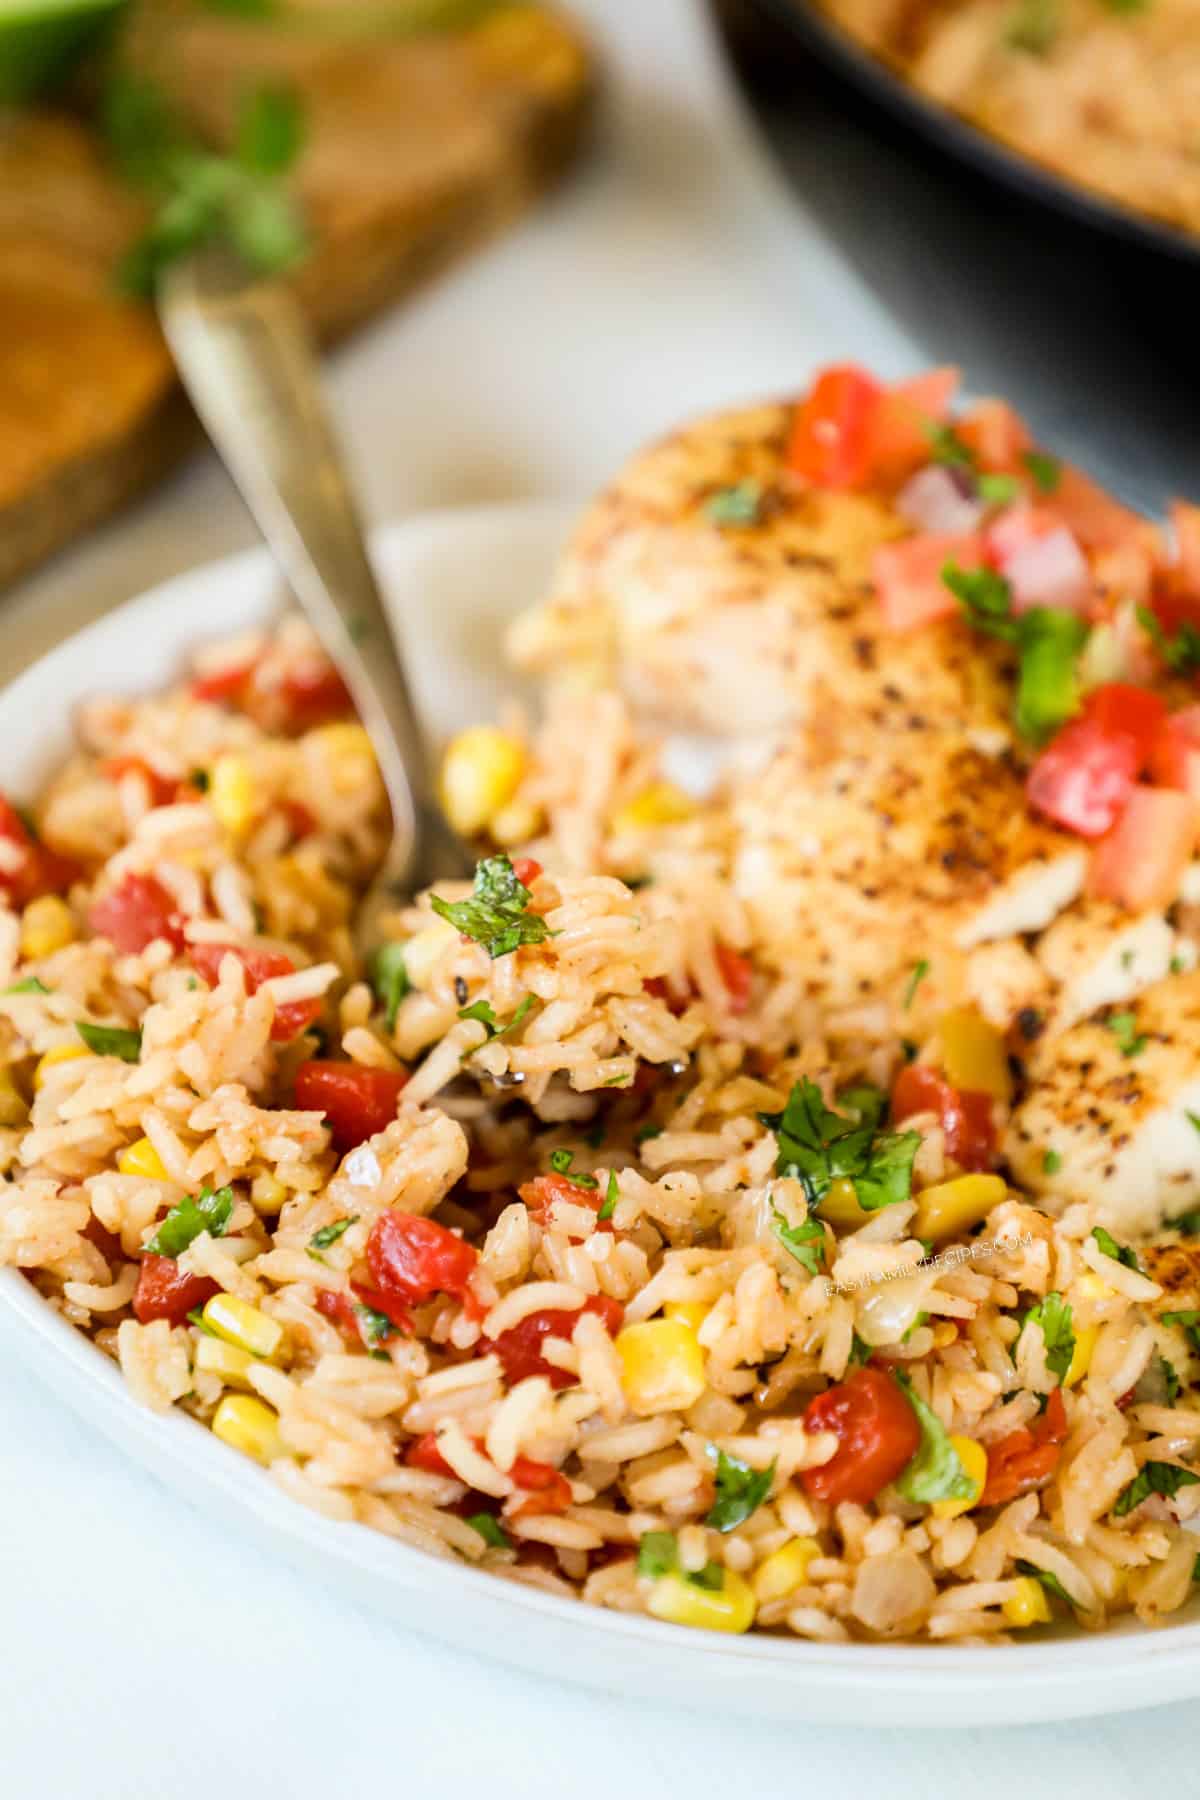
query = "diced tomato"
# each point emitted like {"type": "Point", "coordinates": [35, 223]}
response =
{"type": "Point", "coordinates": [1098, 521]}
{"type": "Point", "coordinates": [830, 443]}
{"type": "Point", "coordinates": [908, 577]}
{"type": "Point", "coordinates": [898, 435]}
{"type": "Point", "coordinates": [519, 1348]}
{"type": "Point", "coordinates": [1185, 523]}
{"type": "Point", "coordinates": [997, 434]}
{"type": "Point", "coordinates": [357, 1102]}
{"type": "Point", "coordinates": [165, 1291]}
{"type": "Point", "coordinates": [1015, 528]}
{"type": "Point", "coordinates": [1025, 1459]}
{"type": "Point", "coordinates": [341, 1310]}
{"type": "Point", "coordinates": [338, 1308]}
{"type": "Point", "coordinates": [543, 1191]}
{"type": "Point", "coordinates": [1083, 778]}
{"type": "Point", "coordinates": [1125, 573]}
{"type": "Point", "coordinates": [1122, 710]}
{"type": "Point", "coordinates": [161, 788]}
{"type": "Point", "coordinates": [526, 869]}
{"type": "Point", "coordinates": [968, 1126]}
{"type": "Point", "coordinates": [136, 913]}
{"type": "Point", "coordinates": [548, 1488]}
{"type": "Point", "coordinates": [411, 1259]}
{"type": "Point", "coordinates": [36, 869]}
{"type": "Point", "coordinates": [290, 1019]}
{"type": "Point", "coordinates": [313, 693]}
{"type": "Point", "coordinates": [877, 1434]}
{"type": "Point", "coordinates": [737, 975]}
{"type": "Point", "coordinates": [1141, 861]}
{"type": "Point", "coordinates": [228, 683]}
{"type": "Point", "coordinates": [1175, 756]}
{"type": "Point", "coordinates": [104, 1240]}
{"type": "Point", "coordinates": [423, 1453]}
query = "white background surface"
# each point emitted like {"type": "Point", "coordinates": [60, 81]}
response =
{"type": "Point", "coordinates": [146, 1652]}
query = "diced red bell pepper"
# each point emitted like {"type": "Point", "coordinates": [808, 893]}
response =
{"type": "Point", "coordinates": [908, 577]}
{"type": "Point", "coordinates": [830, 442]}
{"type": "Point", "coordinates": [357, 1102]}
{"type": "Point", "coordinates": [527, 869]}
{"type": "Point", "coordinates": [290, 1019]}
{"type": "Point", "coordinates": [136, 913]}
{"type": "Point", "coordinates": [548, 1489]}
{"type": "Point", "coordinates": [1083, 778]}
{"type": "Point", "coordinates": [966, 1119]}
{"type": "Point", "coordinates": [224, 684]}
{"type": "Point", "coordinates": [900, 429]}
{"type": "Point", "coordinates": [996, 434]}
{"type": "Point", "coordinates": [1025, 1459]}
{"type": "Point", "coordinates": [36, 869]}
{"type": "Point", "coordinates": [737, 976]}
{"type": "Point", "coordinates": [313, 693]}
{"type": "Point", "coordinates": [519, 1348]}
{"type": "Point", "coordinates": [411, 1259]}
{"type": "Point", "coordinates": [165, 1291]}
{"type": "Point", "coordinates": [341, 1310]}
{"type": "Point", "coordinates": [1141, 861]}
{"type": "Point", "coordinates": [544, 1191]}
{"type": "Point", "coordinates": [161, 788]}
{"type": "Point", "coordinates": [104, 1240]}
{"type": "Point", "coordinates": [877, 1434]}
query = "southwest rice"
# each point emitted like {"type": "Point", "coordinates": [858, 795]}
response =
{"type": "Point", "coordinates": [574, 1239]}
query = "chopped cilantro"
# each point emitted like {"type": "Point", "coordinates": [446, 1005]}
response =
{"type": "Point", "coordinates": [560, 1162]}
{"type": "Point", "coordinates": [985, 598]}
{"type": "Point", "coordinates": [997, 490]}
{"type": "Point", "coordinates": [1051, 1162]}
{"type": "Point", "coordinates": [1053, 1316]}
{"type": "Point", "coordinates": [945, 446]}
{"type": "Point", "coordinates": [1050, 1582]}
{"type": "Point", "coordinates": [860, 1352]}
{"type": "Point", "coordinates": [1153, 1478]}
{"type": "Point", "coordinates": [644, 1133]}
{"type": "Point", "coordinates": [1119, 1252]}
{"type": "Point", "coordinates": [865, 1103]}
{"type": "Point", "coordinates": [920, 971]}
{"type": "Point", "coordinates": [1123, 1025]}
{"type": "Point", "coordinates": [496, 915]}
{"type": "Point", "coordinates": [375, 1327]}
{"type": "Point", "coordinates": [1188, 1223]}
{"type": "Point", "coordinates": [819, 1146]}
{"type": "Point", "coordinates": [658, 1554]}
{"type": "Point", "coordinates": [806, 1241]}
{"type": "Point", "coordinates": [482, 1013]}
{"type": "Point", "coordinates": [210, 1211]}
{"type": "Point", "coordinates": [389, 978]}
{"type": "Point", "coordinates": [110, 1040]}
{"type": "Point", "coordinates": [610, 1200]}
{"type": "Point", "coordinates": [1046, 470]}
{"type": "Point", "coordinates": [329, 1234]}
{"type": "Point", "coordinates": [1047, 638]}
{"type": "Point", "coordinates": [490, 1530]}
{"type": "Point", "coordinates": [1180, 653]}
{"type": "Point", "coordinates": [30, 985]}
{"type": "Point", "coordinates": [741, 1490]}
{"type": "Point", "coordinates": [196, 1318]}
{"type": "Point", "coordinates": [740, 505]}
{"type": "Point", "coordinates": [1188, 1322]}
{"type": "Point", "coordinates": [935, 1471]}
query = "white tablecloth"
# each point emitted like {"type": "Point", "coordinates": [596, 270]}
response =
{"type": "Point", "coordinates": [146, 1651]}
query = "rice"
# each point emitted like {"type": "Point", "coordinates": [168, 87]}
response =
{"type": "Point", "coordinates": [585, 1157]}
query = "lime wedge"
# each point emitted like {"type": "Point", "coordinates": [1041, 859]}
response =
{"type": "Point", "coordinates": [40, 39]}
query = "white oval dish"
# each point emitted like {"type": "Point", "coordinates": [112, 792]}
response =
{"type": "Point", "coordinates": [453, 579]}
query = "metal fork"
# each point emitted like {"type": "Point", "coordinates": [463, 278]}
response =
{"type": "Point", "coordinates": [247, 361]}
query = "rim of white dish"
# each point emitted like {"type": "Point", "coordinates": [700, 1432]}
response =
{"type": "Point", "coordinates": [1054, 1661]}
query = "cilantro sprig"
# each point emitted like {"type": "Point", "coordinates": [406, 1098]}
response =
{"type": "Point", "coordinates": [496, 915]}
{"type": "Point", "coordinates": [208, 1211]}
{"type": "Point", "coordinates": [1047, 639]}
{"type": "Point", "coordinates": [484, 1015]}
{"type": "Point", "coordinates": [806, 1241]}
{"type": "Point", "coordinates": [1153, 1478]}
{"type": "Point", "coordinates": [1121, 1253]}
{"type": "Point", "coordinates": [389, 979]}
{"type": "Point", "coordinates": [819, 1146]}
{"type": "Point", "coordinates": [741, 1490]}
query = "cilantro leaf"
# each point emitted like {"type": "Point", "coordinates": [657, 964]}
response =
{"type": "Point", "coordinates": [860, 1352]}
{"type": "Point", "coordinates": [644, 1133]}
{"type": "Point", "coordinates": [111, 1040]}
{"type": "Point", "coordinates": [1048, 684]}
{"type": "Point", "coordinates": [985, 598]}
{"type": "Point", "coordinates": [611, 1197]}
{"type": "Point", "coordinates": [806, 1241]}
{"type": "Point", "coordinates": [329, 1234]}
{"type": "Point", "coordinates": [741, 1490]}
{"type": "Point", "coordinates": [1052, 1162]}
{"type": "Point", "coordinates": [375, 1327]}
{"type": "Point", "coordinates": [1046, 470]}
{"type": "Point", "coordinates": [389, 978]}
{"type": "Point", "coordinates": [658, 1554]}
{"type": "Point", "coordinates": [30, 985]}
{"type": "Point", "coordinates": [1153, 1478]}
{"type": "Point", "coordinates": [209, 1211]}
{"type": "Point", "coordinates": [560, 1162]}
{"type": "Point", "coordinates": [740, 505]}
{"type": "Point", "coordinates": [935, 1471]}
{"type": "Point", "coordinates": [1188, 1322]}
{"type": "Point", "coordinates": [1123, 1025]}
{"type": "Point", "coordinates": [1181, 652]}
{"type": "Point", "coordinates": [997, 490]}
{"type": "Point", "coordinates": [270, 131]}
{"type": "Point", "coordinates": [865, 1103]}
{"type": "Point", "coordinates": [496, 915]}
{"type": "Point", "coordinates": [819, 1146]}
{"type": "Point", "coordinates": [483, 1014]}
{"type": "Point", "coordinates": [1050, 1582]}
{"type": "Point", "coordinates": [1121, 1253]}
{"type": "Point", "coordinates": [1053, 1315]}
{"type": "Point", "coordinates": [490, 1530]}
{"type": "Point", "coordinates": [946, 447]}
{"type": "Point", "coordinates": [920, 971]}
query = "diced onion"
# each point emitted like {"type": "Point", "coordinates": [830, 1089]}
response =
{"type": "Point", "coordinates": [1049, 571]}
{"type": "Point", "coordinates": [934, 500]}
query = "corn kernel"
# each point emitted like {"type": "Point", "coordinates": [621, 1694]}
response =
{"type": "Point", "coordinates": [225, 1361]}
{"type": "Point", "coordinates": [973, 1054]}
{"type": "Point", "coordinates": [1027, 1604]}
{"type": "Point", "coordinates": [481, 771]}
{"type": "Point", "coordinates": [46, 926]}
{"type": "Point", "coordinates": [662, 803]}
{"type": "Point", "coordinates": [249, 1425]}
{"type": "Point", "coordinates": [1081, 1357]}
{"type": "Point", "coordinates": [267, 1194]}
{"type": "Point", "coordinates": [142, 1159]}
{"type": "Point", "coordinates": [730, 1607]}
{"type": "Point", "coordinates": [423, 952]}
{"type": "Point", "coordinates": [840, 1204]}
{"type": "Point", "coordinates": [61, 1053]}
{"type": "Point", "coordinates": [14, 1109]}
{"type": "Point", "coordinates": [951, 1207]}
{"type": "Point", "coordinates": [692, 1312]}
{"type": "Point", "coordinates": [350, 755]}
{"type": "Point", "coordinates": [662, 1366]}
{"type": "Point", "coordinates": [973, 1458]}
{"type": "Point", "coordinates": [516, 823]}
{"type": "Point", "coordinates": [241, 1324]}
{"type": "Point", "coordinates": [1091, 1286]}
{"type": "Point", "coordinates": [784, 1570]}
{"type": "Point", "coordinates": [231, 793]}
